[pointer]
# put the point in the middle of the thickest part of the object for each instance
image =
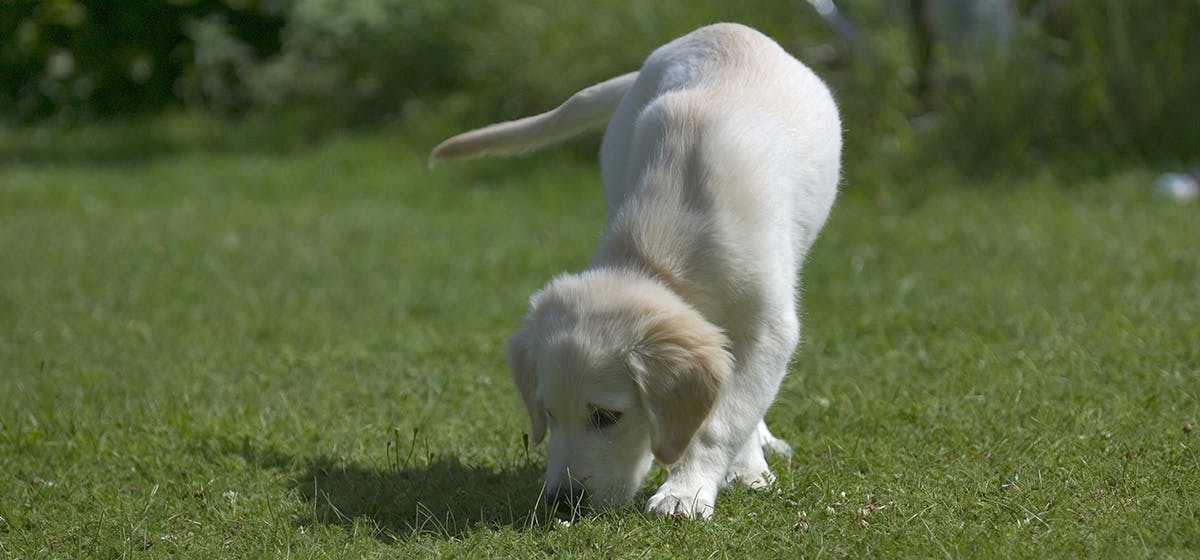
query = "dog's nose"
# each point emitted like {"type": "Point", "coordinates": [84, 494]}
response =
{"type": "Point", "coordinates": [568, 501]}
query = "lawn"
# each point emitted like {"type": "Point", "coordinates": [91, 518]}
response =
{"type": "Point", "coordinates": [221, 351]}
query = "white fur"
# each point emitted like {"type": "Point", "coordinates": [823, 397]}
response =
{"type": "Point", "coordinates": [720, 165]}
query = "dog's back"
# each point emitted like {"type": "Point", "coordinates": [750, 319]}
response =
{"type": "Point", "coordinates": [732, 72]}
{"type": "Point", "coordinates": [720, 166]}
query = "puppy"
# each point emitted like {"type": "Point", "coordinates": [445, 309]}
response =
{"type": "Point", "coordinates": [720, 164]}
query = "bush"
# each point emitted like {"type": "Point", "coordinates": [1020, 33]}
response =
{"type": "Point", "coordinates": [372, 56]}
{"type": "Point", "coordinates": [1102, 78]}
{"type": "Point", "coordinates": [366, 58]}
{"type": "Point", "coordinates": [1115, 79]}
{"type": "Point", "coordinates": [71, 58]}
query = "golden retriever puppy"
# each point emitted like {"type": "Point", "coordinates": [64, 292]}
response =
{"type": "Point", "coordinates": [720, 164]}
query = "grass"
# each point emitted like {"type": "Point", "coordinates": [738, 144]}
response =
{"type": "Point", "coordinates": [218, 351]}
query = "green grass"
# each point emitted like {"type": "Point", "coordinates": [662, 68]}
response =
{"type": "Point", "coordinates": [219, 351]}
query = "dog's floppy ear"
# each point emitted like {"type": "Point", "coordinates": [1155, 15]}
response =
{"type": "Point", "coordinates": [520, 361]}
{"type": "Point", "coordinates": [679, 366]}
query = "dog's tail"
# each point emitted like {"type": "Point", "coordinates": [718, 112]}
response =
{"type": "Point", "coordinates": [587, 109]}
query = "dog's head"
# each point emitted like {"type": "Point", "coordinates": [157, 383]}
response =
{"type": "Point", "coordinates": [619, 370]}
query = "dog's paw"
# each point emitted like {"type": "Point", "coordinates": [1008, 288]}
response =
{"type": "Point", "coordinates": [680, 505]}
{"type": "Point", "coordinates": [754, 479]}
{"type": "Point", "coordinates": [777, 447]}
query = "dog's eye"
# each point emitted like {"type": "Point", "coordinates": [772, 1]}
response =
{"type": "Point", "coordinates": [601, 418]}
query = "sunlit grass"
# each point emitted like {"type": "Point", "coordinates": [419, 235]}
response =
{"type": "Point", "coordinates": [234, 352]}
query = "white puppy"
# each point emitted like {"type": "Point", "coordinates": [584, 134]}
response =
{"type": "Point", "coordinates": [720, 164]}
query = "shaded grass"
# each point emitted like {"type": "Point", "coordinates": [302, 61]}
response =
{"type": "Point", "coordinates": [246, 353]}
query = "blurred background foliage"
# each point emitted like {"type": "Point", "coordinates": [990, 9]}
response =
{"type": "Point", "coordinates": [980, 84]}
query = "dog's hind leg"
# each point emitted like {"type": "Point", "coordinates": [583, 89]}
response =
{"type": "Point", "coordinates": [770, 444]}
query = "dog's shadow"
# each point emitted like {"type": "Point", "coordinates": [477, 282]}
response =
{"type": "Point", "coordinates": [441, 496]}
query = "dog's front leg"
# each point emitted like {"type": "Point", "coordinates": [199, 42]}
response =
{"type": "Point", "coordinates": [690, 490]}
{"type": "Point", "coordinates": [691, 487]}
